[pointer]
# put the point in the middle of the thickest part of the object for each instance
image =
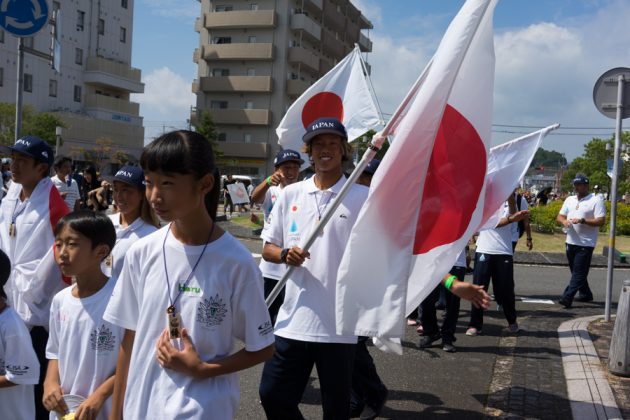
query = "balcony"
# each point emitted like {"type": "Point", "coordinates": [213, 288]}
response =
{"type": "Point", "coordinates": [246, 150]}
{"type": "Point", "coordinates": [241, 116]}
{"type": "Point", "coordinates": [314, 5]}
{"type": "Point", "coordinates": [333, 18]}
{"type": "Point", "coordinates": [365, 43]}
{"type": "Point", "coordinates": [236, 52]}
{"type": "Point", "coordinates": [306, 59]}
{"type": "Point", "coordinates": [325, 65]}
{"type": "Point", "coordinates": [364, 23]}
{"type": "Point", "coordinates": [254, 84]}
{"type": "Point", "coordinates": [241, 19]}
{"type": "Point", "coordinates": [296, 87]}
{"type": "Point", "coordinates": [198, 24]}
{"type": "Point", "coordinates": [195, 86]}
{"type": "Point", "coordinates": [352, 32]}
{"type": "Point", "coordinates": [196, 55]}
{"type": "Point", "coordinates": [95, 101]}
{"type": "Point", "coordinates": [109, 73]}
{"type": "Point", "coordinates": [332, 45]}
{"type": "Point", "coordinates": [311, 30]}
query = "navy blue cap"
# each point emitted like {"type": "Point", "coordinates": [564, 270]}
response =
{"type": "Point", "coordinates": [372, 167]}
{"type": "Point", "coordinates": [580, 179]}
{"type": "Point", "coordinates": [287, 155]}
{"type": "Point", "coordinates": [34, 147]}
{"type": "Point", "coordinates": [132, 175]}
{"type": "Point", "coordinates": [325, 125]}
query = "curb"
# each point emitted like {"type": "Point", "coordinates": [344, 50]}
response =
{"type": "Point", "coordinates": [587, 383]}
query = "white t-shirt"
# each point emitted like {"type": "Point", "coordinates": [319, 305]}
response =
{"type": "Point", "coordinates": [85, 345]}
{"type": "Point", "coordinates": [19, 364]}
{"type": "Point", "coordinates": [461, 259]}
{"type": "Point", "coordinates": [514, 225]}
{"type": "Point", "coordinates": [222, 302]}
{"type": "Point", "coordinates": [112, 266]}
{"type": "Point", "coordinates": [72, 190]}
{"type": "Point", "coordinates": [498, 240]}
{"type": "Point", "coordinates": [269, 269]}
{"type": "Point", "coordinates": [589, 207]}
{"type": "Point", "coordinates": [308, 311]}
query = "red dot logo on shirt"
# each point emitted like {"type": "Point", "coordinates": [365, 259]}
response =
{"type": "Point", "coordinates": [321, 105]}
{"type": "Point", "coordinates": [294, 208]}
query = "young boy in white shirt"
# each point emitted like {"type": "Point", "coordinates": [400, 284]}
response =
{"type": "Point", "coordinates": [82, 347]}
{"type": "Point", "coordinates": [19, 368]}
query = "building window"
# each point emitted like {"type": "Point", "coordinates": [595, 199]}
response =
{"type": "Point", "coordinates": [123, 34]}
{"type": "Point", "coordinates": [101, 27]}
{"type": "Point", "coordinates": [52, 88]}
{"type": "Point", "coordinates": [220, 72]}
{"type": "Point", "coordinates": [28, 82]}
{"type": "Point", "coordinates": [247, 137]}
{"type": "Point", "coordinates": [223, 8]}
{"type": "Point", "coordinates": [253, 6]}
{"type": "Point", "coordinates": [251, 72]}
{"type": "Point", "coordinates": [28, 42]}
{"type": "Point", "coordinates": [124, 3]}
{"type": "Point", "coordinates": [249, 105]}
{"type": "Point", "coordinates": [222, 137]}
{"type": "Point", "coordinates": [218, 104]}
{"type": "Point", "coordinates": [1, 76]}
{"type": "Point", "coordinates": [80, 20]}
{"type": "Point", "coordinates": [77, 93]}
{"type": "Point", "coordinates": [222, 40]}
{"type": "Point", "coordinates": [251, 39]}
{"type": "Point", "coordinates": [78, 56]}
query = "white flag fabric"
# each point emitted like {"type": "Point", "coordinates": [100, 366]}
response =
{"type": "Point", "coordinates": [427, 197]}
{"type": "Point", "coordinates": [507, 165]}
{"type": "Point", "coordinates": [341, 93]}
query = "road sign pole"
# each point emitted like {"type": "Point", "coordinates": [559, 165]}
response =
{"type": "Point", "coordinates": [613, 198]}
{"type": "Point", "coordinates": [19, 88]}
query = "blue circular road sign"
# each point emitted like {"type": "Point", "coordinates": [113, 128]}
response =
{"type": "Point", "coordinates": [23, 17]}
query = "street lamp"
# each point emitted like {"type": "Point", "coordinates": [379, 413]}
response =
{"type": "Point", "coordinates": [57, 139]}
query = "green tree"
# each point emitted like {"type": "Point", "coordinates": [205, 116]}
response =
{"type": "Point", "coordinates": [40, 124]}
{"type": "Point", "coordinates": [593, 164]}
{"type": "Point", "coordinates": [361, 144]}
{"type": "Point", "coordinates": [548, 159]}
{"type": "Point", "coordinates": [204, 125]}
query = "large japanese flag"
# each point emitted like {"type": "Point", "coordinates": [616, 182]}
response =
{"type": "Point", "coordinates": [341, 93]}
{"type": "Point", "coordinates": [427, 197]}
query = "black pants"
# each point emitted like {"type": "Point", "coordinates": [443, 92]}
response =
{"type": "Point", "coordinates": [429, 317]}
{"type": "Point", "coordinates": [579, 263]}
{"type": "Point", "coordinates": [39, 338]}
{"type": "Point", "coordinates": [286, 374]}
{"type": "Point", "coordinates": [499, 269]}
{"type": "Point", "coordinates": [367, 387]}
{"type": "Point", "coordinates": [275, 306]}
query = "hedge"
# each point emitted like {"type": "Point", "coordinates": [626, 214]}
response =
{"type": "Point", "coordinates": [543, 218]}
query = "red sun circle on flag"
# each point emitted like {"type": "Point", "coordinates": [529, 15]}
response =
{"type": "Point", "coordinates": [320, 105]}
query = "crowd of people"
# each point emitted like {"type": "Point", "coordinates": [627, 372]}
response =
{"type": "Point", "coordinates": [136, 313]}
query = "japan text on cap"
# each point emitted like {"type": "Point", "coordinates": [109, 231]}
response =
{"type": "Point", "coordinates": [580, 179]}
{"type": "Point", "coordinates": [287, 155]}
{"type": "Point", "coordinates": [132, 175]}
{"type": "Point", "coordinates": [325, 125]}
{"type": "Point", "coordinates": [34, 147]}
{"type": "Point", "coordinates": [372, 167]}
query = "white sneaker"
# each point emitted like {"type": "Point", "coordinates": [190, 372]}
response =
{"type": "Point", "coordinates": [472, 331]}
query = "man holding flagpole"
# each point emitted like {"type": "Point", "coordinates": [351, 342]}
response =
{"type": "Point", "coordinates": [305, 327]}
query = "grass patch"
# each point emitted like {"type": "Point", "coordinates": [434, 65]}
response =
{"type": "Point", "coordinates": [245, 222]}
{"type": "Point", "coordinates": [554, 242]}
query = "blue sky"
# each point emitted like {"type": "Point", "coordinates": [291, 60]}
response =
{"type": "Point", "coordinates": [549, 55]}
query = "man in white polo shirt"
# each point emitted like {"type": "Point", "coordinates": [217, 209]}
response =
{"type": "Point", "coordinates": [581, 216]}
{"type": "Point", "coordinates": [305, 327]}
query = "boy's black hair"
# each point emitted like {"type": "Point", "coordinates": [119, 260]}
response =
{"type": "Point", "coordinates": [5, 272]}
{"type": "Point", "coordinates": [184, 152]}
{"type": "Point", "coordinates": [60, 160]}
{"type": "Point", "coordinates": [97, 227]}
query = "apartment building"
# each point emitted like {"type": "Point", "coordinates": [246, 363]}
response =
{"type": "Point", "coordinates": [91, 90]}
{"type": "Point", "coordinates": [255, 57]}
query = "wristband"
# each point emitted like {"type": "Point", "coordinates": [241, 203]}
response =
{"type": "Point", "coordinates": [508, 219]}
{"type": "Point", "coordinates": [449, 282]}
{"type": "Point", "coordinates": [269, 180]}
{"type": "Point", "coordinates": [582, 220]}
{"type": "Point", "coordinates": [283, 255]}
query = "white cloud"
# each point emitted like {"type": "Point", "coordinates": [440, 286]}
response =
{"type": "Point", "coordinates": [167, 98]}
{"type": "Point", "coordinates": [173, 8]}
